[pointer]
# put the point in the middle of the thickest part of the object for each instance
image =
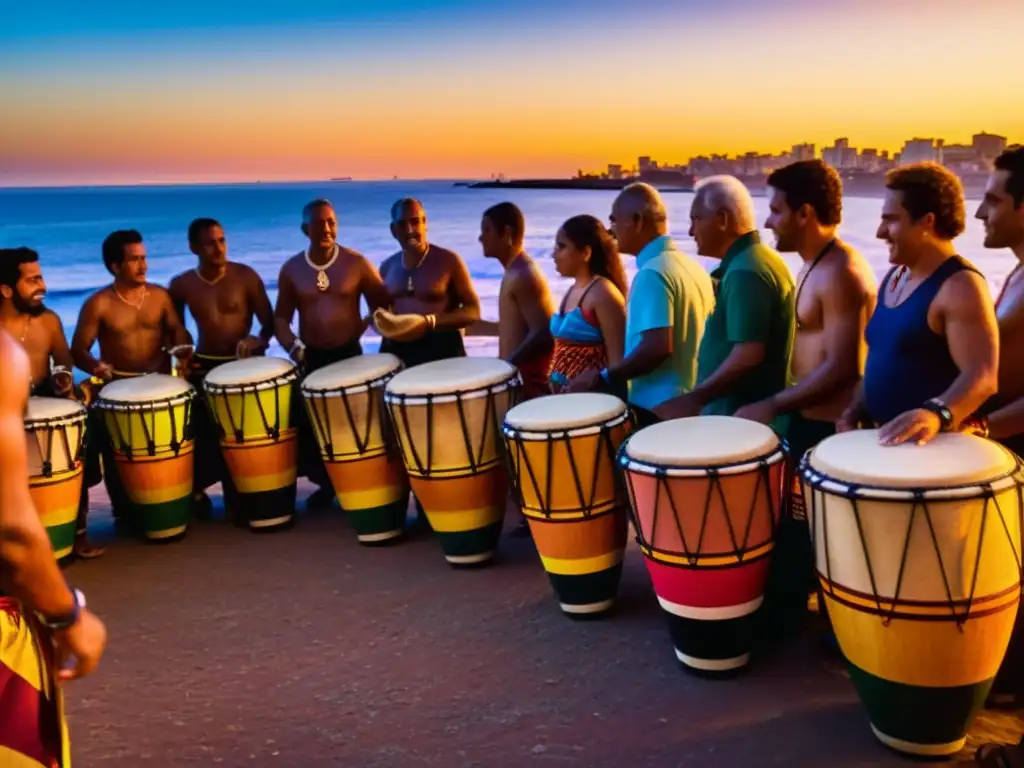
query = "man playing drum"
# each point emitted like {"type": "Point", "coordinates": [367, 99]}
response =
{"type": "Point", "coordinates": [933, 339]}
{"type": "Point", "coordinates": [324, 284]}
{"type": "Point", "coordinates": [524, 301]}
{"type": "Point", "coordinates": [41, 334]}
{"type": "Point", "coordinates": [43, 622]}
{"type": "Point", "coordinates": [132, 320]}
{"type": "Point", "coordinates": [745, 351]}
{"type": "Point", "coordinates": [223, 297]}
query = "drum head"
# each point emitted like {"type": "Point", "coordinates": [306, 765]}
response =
{"type": "Point", "coordinates": [554, 413]}
{"type": "Point", "coordinates": [354, 372]}
{"type": "Point", "coordinates": [702, 441]}
{"type": "Point", "coordinates": [949, 459]}
{"type": "Point", "coordinates": [252, 370]}
{"type": "Point", "coordinates": [53, 409]}
{"type": "Point", "coordinates": [457, 374]}
{"type": "Point", "coordinates": [145, 389]}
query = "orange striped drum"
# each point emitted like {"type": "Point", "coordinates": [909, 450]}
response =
{"type": "Point", "coordinates": [447, 417]}
{"type": "Point", "coordinates": [562, 452]}
{"type": "Point", "coordinates": [918, 550]}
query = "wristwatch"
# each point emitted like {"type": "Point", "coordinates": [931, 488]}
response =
{"type": "Point", "coordinates": [941, 410]}
{"type": "Point", "coordinates": [56, 624]}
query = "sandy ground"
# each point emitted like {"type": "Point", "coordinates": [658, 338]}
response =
{"type": "Point", "coordinates": [303, 648]}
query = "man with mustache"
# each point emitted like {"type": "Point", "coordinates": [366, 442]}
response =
{"type": "Point", "coordinates": [430, 281]}
{"type": "Point", "coordinates": [933, 340]}
{"type": "Point", "coordinates": [223, 298]}
{"type": "Point", "coordinates": [132, 320]}
{"type": "Point", "coordinates": [41, 334]}
{"type": "Point", "coordinates": [324, 284]}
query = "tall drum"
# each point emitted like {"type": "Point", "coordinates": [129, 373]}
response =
{"type": "Point", "coordinates": [250, 400]}
{"type": "Point", "coordinates": [706, 494]}
{"type": "Point", "coordinates": [447, 417]}
{"type": "Point", "coordinates": [345, 403]}
{"type": "Point", "coordinates": [918, 550]}
{"type": "Point", "coordinates": [149, 419]}
{"type": "Point", "coordinates": [562, 455]}
{"type": "Point", "coordinates": [55, 431]}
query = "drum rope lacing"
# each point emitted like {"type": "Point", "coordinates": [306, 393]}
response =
{"type": "Point", "coordinates": [517, 459]}
{"type": "Point", "coordinates": [237, 428]}
{"type": "Point", "coordinates": [50, 425]}
{"type": "Point", "coordinates": [661, 474]}
{"type": "Point", "coordinates": [474, 456]}
{"type": "Point", "coordinates": [888, 608]}
{"type": "Point", "coordinates": [149, 429]}
{"type": "Point", "coordinates": [375, 393]}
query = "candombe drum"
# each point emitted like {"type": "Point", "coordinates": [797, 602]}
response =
{"type": "Point", "coordinates": [918, 553]}
{"type": "Point", "coordinates": [447, 417]}
{"type": "Point", "coordinates": [250, 401]}
{"type": "Point", "coordinates": [54, 432]}
{"type": "Point", "coordinates": [149, 419]}
{"type": "Point", "coordinates": [561, 451]}
{"type": "Point", "coordinates": [705, 494]}
{"type": "Point", "coordinates": [345, 403]}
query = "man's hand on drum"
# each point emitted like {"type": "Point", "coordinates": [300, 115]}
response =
{"type": "Point", "coordinates": [763, 412]}
{"type": "Point", "coordinates": [249, 346]}
{"type": "Point", "coordinates": [588, 381]}
{"type": "Point", "coordinates": [916, 426]}
{"type": "Point", "coordinates": [63, 383]}
{"type": "Point", "coordinates": [103, 371]}
{"type": "Point", "coordinates": [680, 407]}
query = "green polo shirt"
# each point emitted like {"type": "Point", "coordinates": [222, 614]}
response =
{"type": "Point", "coordinates": [754, 302]}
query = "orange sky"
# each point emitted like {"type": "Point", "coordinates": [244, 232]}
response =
{"type": "Point", "coordinates": [457, 100]}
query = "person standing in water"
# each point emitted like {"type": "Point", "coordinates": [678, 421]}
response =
{"type": "Point", "coordinates": [223, 298]}
{"type": "Point", "coordinates": [590, 327]}
{"type": "Point", "coordinates": [524, 300]}
{"type": "Point", "coordinates": [324, 284]}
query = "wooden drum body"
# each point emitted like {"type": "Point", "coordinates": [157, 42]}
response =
{"type": "Point", "coordinates": [149, 420]}
{"type": "Point", "coordinates": [918, 554]}
{"type": "Point", "coordinates": [563, 471]}
{"type": "Point", "coordinates": [250, 401]}
{"type": "Point", "coordinates": [345, 403]}
{"type": "Point", "coordinates": [54, 432]}
{"type": "Point", "coordinates": [705, 494]}
{"type": "Point", "coordinates": [447, 417]}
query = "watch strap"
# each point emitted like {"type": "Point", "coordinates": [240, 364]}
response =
{"type": "Point", "coordinates": [941, 410]}
{"type": "Point", "coordinates": [58, 623]}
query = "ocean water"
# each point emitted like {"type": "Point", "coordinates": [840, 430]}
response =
{"type": "Point", "coordinates": [262, 223]}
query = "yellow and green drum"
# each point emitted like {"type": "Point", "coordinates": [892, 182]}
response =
{"type": "Point", "coordinates": [54, 432]}
{"type": "Point", "coordinates": [345, 403]}
{"type": "Point", "coordinates": [250, 400]}
{"type": "Point", "coordinates": [149, 420]}
{"type": "Point", "coordinates": [918, 550]}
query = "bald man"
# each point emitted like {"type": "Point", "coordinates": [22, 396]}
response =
{"type": "Point", "coordinates": [670, 300]}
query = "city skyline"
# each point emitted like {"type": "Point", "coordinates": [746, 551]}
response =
{"type": "Point", "coordinates": [454, 89]}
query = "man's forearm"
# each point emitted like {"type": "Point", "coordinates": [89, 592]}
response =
{"type": "Point", "coordinates": [85, 361]}
{"type": "Point", "coordinates": [1007, 421]}
{"type": "Point", "coordinates": [457, 319]}
{"type": "Point", "coordinates": [283, 331]}
{"type": "Point", "coordinates": [31, 573]}
{"type": "Point", "coordinates": [640, 362]}
{"type": "Point", "coordinates": [968, 393]}
{"type": "Point", "coordinates": [538, 342]}
{"type": "Point", "coordinates": [731, 372]}
{"type": "Point", "coordinates": [482, 328]}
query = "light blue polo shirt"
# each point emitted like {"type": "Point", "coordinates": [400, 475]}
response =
{"type": "Point", "coordinates": [670, 290]}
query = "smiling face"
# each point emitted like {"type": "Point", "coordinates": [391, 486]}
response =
{"type": "Point", "coordinates": [321, 227]}
{"type": "Point", "coordinates": [409, 227]}
{"type": "Point", "coordinates": [1004, 221]}
{"type": "Point", "coordinates": [708, 228]}
{"type": "Point", "coordinates": [211, 247]}
{"type": "Point", "coordinates": [784, 222]}
{"type": "Point", "coordinates": [904, 236]}
{"type": "Point", "coordinates": [28, 293]}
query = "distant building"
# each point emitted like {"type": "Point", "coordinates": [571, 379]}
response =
{"type": "Point", "coordinates": [614, 171]}
{"type": "Point", "coordinates": [644, 163]}
{"type": "Point", "coordinates": [802, 152]}
{"type": "Point", "coordinates": [921, 150]}
{"type": "Point", "coordinates": [988, 146]}
{"type": "Point", "coordinates": [962, 158]}
{"type": "Point", "coordinates": [841, 155]}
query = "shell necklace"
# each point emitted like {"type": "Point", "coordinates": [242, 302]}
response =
{"type": "Point", "coordinates": [137, 305]}
{"type": "Point", "coordinates": [322, 282]}
{"type": "Point", "coordinates": [210, 282]}
{"type": "Point", "coordinates": [409, 285]}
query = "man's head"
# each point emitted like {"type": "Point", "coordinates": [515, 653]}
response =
{"type": "Point", "coordinates": [638, 217]}
{"type": "Point", "coordinates": [409, 224]}
{"type": "Point", "coordinates": [924, 204]}
{"type": "Point", "coordinates": [21, 280]}
{"type": "Point", "coordinates": [207, 241]}
{"type": "Point", "coordinates": [124, 256]}
{"type": "Point", "coordinates": [1002, 208]}
{"type": "Point", "coordinates": [806, 199]}
{"type": "Point", "coordinates": [722, 212]}
{"type": "Point", "coordinates": [320, 224]}
{"type": "Point", "coordinates": [502, 229]}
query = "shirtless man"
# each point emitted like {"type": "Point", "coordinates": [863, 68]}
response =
{"type": "Point", "coordinates": [524, 300]}
{"type": "Point", "coordinates": [223, 298]}
{"type": "Point", "coordinates": [32, 727]}
{"type": "Point", "coordinates": [835, 296]}
{"type": "Point", "coordinates": [41, 334]}
{"type": "Point", "coordinates": [131, 319]}
{"type": "Point", "coordinates": [428, 280]}
{"type": "Point", "coordinates": [325, 284]}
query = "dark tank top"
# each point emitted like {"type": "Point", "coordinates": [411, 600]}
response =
{"type": "Point", "coordinates": [908, 363]}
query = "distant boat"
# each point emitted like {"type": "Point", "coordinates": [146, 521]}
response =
{"type": "Point", "coordinates": [341, 178]}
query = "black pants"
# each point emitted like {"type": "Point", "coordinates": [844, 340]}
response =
{"type": "Point", "coordinates": [311, 464]}
{"type": "Point", "coordinates": [1010, 678]}
{"type": "Point", "coordinates": [436, 345]}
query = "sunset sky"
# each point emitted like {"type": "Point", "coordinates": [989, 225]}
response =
{"type": "Point", "coordinates": [127, 92]}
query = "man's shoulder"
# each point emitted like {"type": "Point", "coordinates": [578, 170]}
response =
{"type": "Point", "coordinates": [51, 319]}
{"type": "Point", "coordinates": [447, 254]}
{"type": "Point", "coordinates": [764, 261]}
